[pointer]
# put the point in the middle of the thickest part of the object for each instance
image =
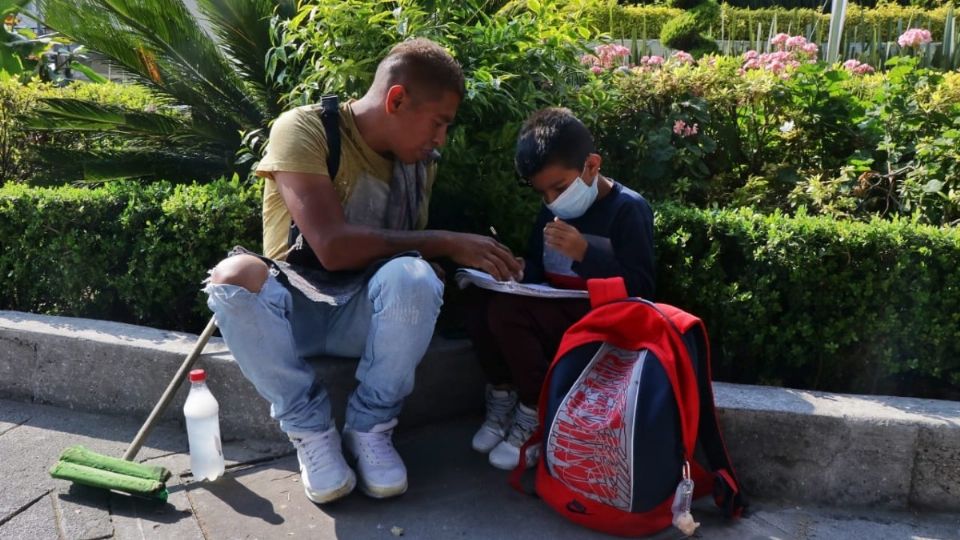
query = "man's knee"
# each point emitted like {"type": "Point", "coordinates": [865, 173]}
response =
{"type": "Point", "coordinates": [244, 271]}
{"type": "Point", "coordinates": [409, 274]}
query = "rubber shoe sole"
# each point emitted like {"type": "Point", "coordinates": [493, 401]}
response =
{"type": "Point", "coordinates": [383, 492]}
{"type": "Point", "coordinates": [323, 497]}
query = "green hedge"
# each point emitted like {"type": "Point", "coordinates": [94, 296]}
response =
{"type": "Point", "coordinates": [817, 303]}
{"type": "Point", "coordinates": [889, 21]}
{"type": "Point", "coordinates": [121, 252]}
{"type": "Point", "coordinates": [800, 301]}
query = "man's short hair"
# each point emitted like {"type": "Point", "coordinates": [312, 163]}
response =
{"type": "Point", "coordinates": [424, 68]}
{"type": "Point", "coordinates": [552, 136]}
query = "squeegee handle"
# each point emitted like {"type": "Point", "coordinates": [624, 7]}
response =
{"type": "Point", "coordinates": [171, 390]}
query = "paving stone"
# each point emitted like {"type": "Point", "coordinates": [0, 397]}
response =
{"type": "Point", "coordinates": [142, 519]}
{"type": "Point", "coordinates": [83, 512]}
{"type": "Point", "coordinates": [36, 521]}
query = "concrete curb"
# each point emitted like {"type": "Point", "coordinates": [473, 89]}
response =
{"type": "Point", "coordinates": [786, 444]}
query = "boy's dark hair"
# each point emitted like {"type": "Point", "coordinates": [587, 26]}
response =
{"type": "Point", "coordinates": [552, 136]}
{"type": "Point", "coordinates": [424, 68]}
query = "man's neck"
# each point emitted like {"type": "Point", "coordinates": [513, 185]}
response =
{"type": "Point", "coordinates": [368, 114]}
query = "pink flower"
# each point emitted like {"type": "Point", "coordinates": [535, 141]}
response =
{"type": "Point", "coordinates": [652, 60]}
{"type": "Point", "coordinates": [589, 60]}
{"type": "Point", "coordinates": [796, 42]}
{"type": "Point", "coordinates": [683, 129]}
{"type": "Point", "coordinates": [915, 37]}
{"type": "Point", "coordinates": [779, 40]}
{"type": "Point", "coordinates": [596, 70]}
{"type": "Point", "coordinates": [856, 67]}
{"type": "Point", "coordinates": [683, 57]}
{"type": "Point", "coordinates": [612, 55]}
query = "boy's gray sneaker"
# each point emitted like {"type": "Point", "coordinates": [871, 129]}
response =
{"type": "Point", "coordinates": [506, 455]}
{"type": "Point", "coordinates": [382, 472]}
{"type": "Point", "coordinates": [325, 474]}
{"type": "Point", "coordinates": [500, 405]}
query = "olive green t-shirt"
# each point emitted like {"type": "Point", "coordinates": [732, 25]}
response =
{"type": "Point", "coordinates": [298, 143]}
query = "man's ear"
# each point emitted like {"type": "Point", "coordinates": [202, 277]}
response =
{"type": "Point", "coordinates": [396, 97]}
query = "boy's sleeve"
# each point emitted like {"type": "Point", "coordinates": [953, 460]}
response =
{"type": "Point", "coordinates": [632, 255]}
{"type": "Point", "coordinates": [533, 261]}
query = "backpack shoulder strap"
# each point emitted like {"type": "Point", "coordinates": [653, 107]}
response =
{"type": "Point", "coordinates": [726, 490]}
{"type": "Point", "coordinates": [330, 116]}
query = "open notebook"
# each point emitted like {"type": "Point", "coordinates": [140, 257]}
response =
{"type": "Point", "coordinates": [469, 276]}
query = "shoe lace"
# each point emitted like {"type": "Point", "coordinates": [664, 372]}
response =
{"type": "Point", "coordinates": [524, 425]}
{"type": "Point", "coordinates": [498, 409]}
{"type": "Point", "coordinates": [378, 447]}
{"type": "Point", "coordinates": [314, 448]}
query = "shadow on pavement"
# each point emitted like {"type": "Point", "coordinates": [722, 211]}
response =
{"type": "Point", "coordinates": [243, 500]}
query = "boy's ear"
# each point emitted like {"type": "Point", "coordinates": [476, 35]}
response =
{"type": "Point", "coordinates": [593, 163]}
{"type": "Point", "coordinates": [396, 97]}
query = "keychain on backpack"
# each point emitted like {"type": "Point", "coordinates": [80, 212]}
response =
{"type": "Point", "coordinates": [682, 518]}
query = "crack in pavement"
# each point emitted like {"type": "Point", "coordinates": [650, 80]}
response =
{"type": "Point", "coordinates": [15, 426]}
{"type": "Point", "coordinates": [24, 508]}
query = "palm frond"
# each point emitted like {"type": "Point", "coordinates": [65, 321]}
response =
{"type": "Point", "coordinates": [243, 28]}
{"type": "Point", "coordinates": [149, 163]}
{"type": "Point", "coordinates": [68, 114]}
{"type": "Point", "coordinates": [162, 43]}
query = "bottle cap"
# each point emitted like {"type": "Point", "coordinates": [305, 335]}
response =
{"type": "Point", "coordinates": [198, 375]}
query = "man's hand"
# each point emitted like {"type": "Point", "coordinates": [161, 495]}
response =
{"type": "Point", "coordinates": [566, 239]}
{"type": "Point", "coordinates": [485, 253]}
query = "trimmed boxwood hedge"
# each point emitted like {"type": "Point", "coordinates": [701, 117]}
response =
{"type": "Point", "coordinates": [797, 301]}
{"type": "Point", "coordinates": [888, 20]}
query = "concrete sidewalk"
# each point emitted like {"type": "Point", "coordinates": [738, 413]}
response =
{"type": "Point", "coordinates": [453, 494]}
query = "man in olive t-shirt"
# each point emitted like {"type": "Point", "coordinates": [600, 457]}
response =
{"type": "Point", "coordinates": [365, 223]}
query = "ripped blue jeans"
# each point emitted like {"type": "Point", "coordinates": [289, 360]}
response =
{"type": "Point", "coordinates": [388, 326]}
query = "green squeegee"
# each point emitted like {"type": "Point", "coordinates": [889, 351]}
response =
{"type": "Point", "coordinates": [82, 466]}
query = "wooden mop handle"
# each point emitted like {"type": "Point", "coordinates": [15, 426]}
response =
{"type": "Point", "coordinates": [170, 391]}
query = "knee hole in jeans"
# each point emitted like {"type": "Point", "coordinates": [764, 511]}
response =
{"type": "Point", "coordinates": [244, 271]}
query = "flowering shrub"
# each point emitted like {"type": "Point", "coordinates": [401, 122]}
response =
{"type": "Point", "coordinates": [790, 52]}
{"type": "Point", "coordinates": [682, 129]}
{"type": "Point", "coordinates": [914, 38]}
{"type": "Point", "coordinates": [857, 67]}
{"type": "Point", "coordinates": [836, 139]}
{"type": "Point", "coordinates": [605, 57]}
{"type": "Point", "coordinates": [617, 58]}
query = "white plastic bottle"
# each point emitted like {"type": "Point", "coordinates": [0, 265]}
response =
{"type": "Point", "coordinates": [203, 429]}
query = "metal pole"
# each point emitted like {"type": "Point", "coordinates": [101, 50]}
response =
{"type": "Point", "coordinates": [837, 14]}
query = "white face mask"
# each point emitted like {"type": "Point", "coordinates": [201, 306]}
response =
{"type": "Point", "coordinates": [575, 200]}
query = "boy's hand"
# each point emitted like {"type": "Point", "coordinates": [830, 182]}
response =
{"type": "Point", "coordinates": [566, 239]}
{"type": "Point", "coordinates": [485, 253]}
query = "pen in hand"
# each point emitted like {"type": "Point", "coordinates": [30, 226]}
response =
{"type": "Point", "coordinates": [518, 277]}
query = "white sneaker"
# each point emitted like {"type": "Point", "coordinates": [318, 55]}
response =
{"type": "Point", "coordinates": [382, 473]}
{"type": "Point", "coordinates": [506, 455]}
{"type": "Point", "coordinates": [500, 404]}
{"type": "Point", "coordinates": [325, 474]}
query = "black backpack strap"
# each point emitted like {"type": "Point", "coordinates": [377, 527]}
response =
{"type": "Point", "coordinates": [727, 492]}
{"type": "Point", "coordinates": [300, 252]}
{"type": "Point", "coordinates": [330, 116]}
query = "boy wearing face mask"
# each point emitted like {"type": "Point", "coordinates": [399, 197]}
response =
{"type": "Point", "coordinates": [589, 226]}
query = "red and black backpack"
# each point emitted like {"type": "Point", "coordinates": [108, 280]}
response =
{"type": "Point", "coordinates": [627, 419]}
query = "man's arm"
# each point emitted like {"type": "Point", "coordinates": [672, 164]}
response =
{"type": "Point", "coordinates": [316, 209]}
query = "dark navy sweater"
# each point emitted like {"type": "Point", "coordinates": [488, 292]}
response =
{"type": "Point", "coordinates": [619, 233]}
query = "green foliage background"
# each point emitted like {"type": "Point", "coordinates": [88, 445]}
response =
{"type": "Point", "coordinates": [800, 301]}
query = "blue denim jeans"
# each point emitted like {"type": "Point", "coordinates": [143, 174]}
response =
{"type": "Point", "coordinates": [388, 326]}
